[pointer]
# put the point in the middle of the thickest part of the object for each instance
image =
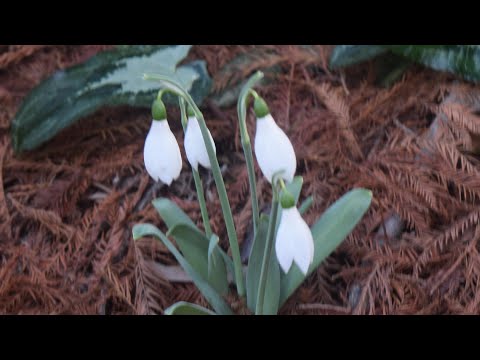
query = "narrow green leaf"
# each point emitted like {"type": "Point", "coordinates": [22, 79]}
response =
{"type": "Point", "coordinates": [185, 308]}
{"type": "Point", "coordinates": [211, 247]}
{"type": "Point", "coordinates": [213, 298]}
{"type": "Point", "coordinates": [346, 55]}
{"type": "Point", "coordinates": [255, 262]}
{"type": "Point", "coordinates": [170, 213]}
{"type": "Point", "coordinates": [109, 78]}
{"type": "Point", "coordinates": [194, 246]}
{"type": "Point", "coordinates": [328, 232]}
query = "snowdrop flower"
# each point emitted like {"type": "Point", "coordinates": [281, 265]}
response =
{"type": "Point", "coordinates": [161, 153]}
{"type": "Point", "coordinates": [273, 149]}
{"type": "Point", "coordinates": [294, 240]}
{"type": "Point", "coordinates": [194, 144]}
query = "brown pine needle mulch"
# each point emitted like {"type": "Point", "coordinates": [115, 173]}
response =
{"type": "Point", "coordinates": [67, 209]}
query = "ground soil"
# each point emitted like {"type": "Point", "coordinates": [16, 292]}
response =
{"type": "Point", "coordinates": [67, 209]}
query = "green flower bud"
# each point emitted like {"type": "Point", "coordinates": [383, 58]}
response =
{"type": "Point", "coordinates": [190, 112]}
{"type": "Point", "coordinates": [286, 199]}
{"type": "Point", "coordinates": [158, 110]}
{"type": "Point", "coordinates": [260, 107]}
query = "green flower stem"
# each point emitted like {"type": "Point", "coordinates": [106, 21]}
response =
{"type": "Point", "coordinates": [246, 144]}
{"type": "Point", "coordinates": [272, 225]}
{"type": "Point", "coordinates": [197, 179]}
{"type": "Point", "coordinates": [217, 175]}
{"type": "Point", "coordinates": [203, 205]}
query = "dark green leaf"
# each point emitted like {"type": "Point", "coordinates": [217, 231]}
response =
{"type": "Point", "coordinates": [109, 78]}
{"type": "Point", "coordinates": [462, 60]}
{"type": "Point", "coordinates": [214, 299]}
{"type": "Point", "coordinates": [185, 308]}
{"type": "Point", "coordinates": [194, 246]}
{"type": "Point", "coordinates": [346, 55]}
{"type": "Point", "coordinates": [328, 232]}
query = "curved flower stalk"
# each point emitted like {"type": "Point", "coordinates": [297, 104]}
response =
{"type": "Point", "coordinates": [194, 145]}
{"type": "Point", "coordinates": [161, 152]}
{"type": "Point", "coordinates": [172, 85]}
{"type": "Point", "coordinates": [273, 149]}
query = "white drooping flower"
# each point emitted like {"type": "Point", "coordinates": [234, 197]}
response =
{"type": "Point", "coordinates": [195, 146]}
{"type": "Point", "coordinates": [273, 149]}
{"type": "Point", "coordinates": [161, 153]}
{"type": "Point", "coordinates": [294, 241]}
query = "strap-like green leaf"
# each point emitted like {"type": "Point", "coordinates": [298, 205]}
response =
{"type": "Point", "coordinates": [194, 246]}
{"type": "Point", "coordinates": [170, 213]}
{"type": "Point", "coordinates": [109, 78]}
{"type": "Point", "coordinates": [255, 262]}
{"type": "Point", "coordinates": [211, 247]}
{"type": "Point", "coordinates": [214, 299]}
{"type": "Point", "coordinates": [185, 308]}
{"type": "Point", "coordinates": [328, 232]}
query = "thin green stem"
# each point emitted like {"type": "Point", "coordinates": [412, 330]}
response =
{"type": "Point", "coordinates": [272, 225]}
{"type": "Point", "coordinates": [217, 175]}
{"type": "Point", "coordinates": [196, 178]}
{"type": "Point", "coordinates": [246, 144]}
{"type": "Point", "coordinates": [227, 211]}
{"type": "Point", "coordinates": [201, 201]}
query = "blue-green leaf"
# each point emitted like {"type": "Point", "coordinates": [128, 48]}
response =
{"type": "Point", "coordinates": [255, 262]}
{"type": "Point", "coordinates": [213, 244]}
{"type": "Point", "coordinates": [213, 298]}
{"type": "Point", "coordinates": [328, 232]}
{"type": "Point", "coordinates": [170, 213]}
{"type": "Point", "coordinates": [185, 308]}
{"type": "Point", "coordinates": [194, 246]}
{"type": "Point", "coordinates": [109, 78]}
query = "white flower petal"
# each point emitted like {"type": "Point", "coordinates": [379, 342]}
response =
{"type": "Point", "coordinates": [161, 153]}
{"type": "Point", "coordinates": [273, 150]}
{"type": "Point", "coordinates": [294, 241]}
{"type": "Point", "coordinates": [282, 248]}
{"type": "Point", "coordinates": [195, 148]}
